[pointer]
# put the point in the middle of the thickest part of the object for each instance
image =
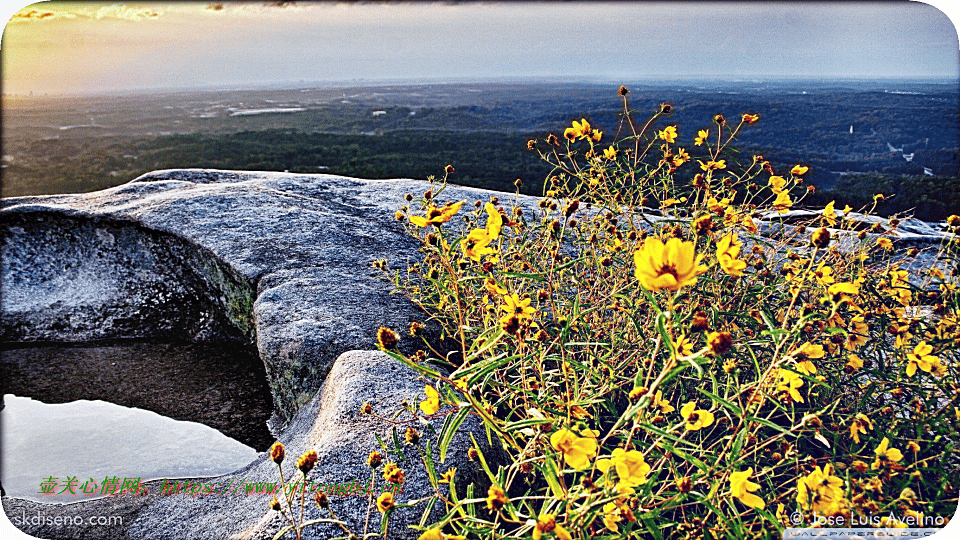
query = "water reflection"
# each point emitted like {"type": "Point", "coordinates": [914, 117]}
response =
{"type": "Point", "coordinates": [78, 450]}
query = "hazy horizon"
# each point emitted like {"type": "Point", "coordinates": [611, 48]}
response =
{"type": "Point", "coordinates": [68, 48]}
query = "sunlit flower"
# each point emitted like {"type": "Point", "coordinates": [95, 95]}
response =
{"type": "Point", "coordinates": [782, 202]}
{"type": "Point", "coordinates": [393, 474]}
{"type": "Point", "coordinates": [436, 216]}
{"type": "Point", "coordinates": [694, 418]}
{"type": "Point", "coordinates": [859, 425]}
{"type": "Point", "coordinates": [776, 183]}
{"type": "Point", "coordinates": [829, 214]}
{"type": "Point", "coordinates": [629, 464]}
{"type": "Point", "coordinates": [475, 245]}
{"type": "Point", "coordinates": [668, 134]}
{"type": "Point", "coordinates": [663, 404]}
{"type": "Point", "coordinates": [577, 451]}
{"type": "Point", "coordinates": [719, 342]}
{"type": "Point", "coordinates": [799, 170]}
{"type": "Point", "coordinates": [493, 287]}
{"type": "Point", "coordinates": [884, 243]}
{"type": "Point", "coordinates": [385, 502]}
{"type": "Point", "coordinates": [740, 488]}
{"type": "Point", "coordinates": [432, 404]}
{"type": "Point", "coordinates": [277, 452]}
{"type": "Point", "coordinates": [821, 492]}
{"type": "Point", "coordinates": [547, 523]}
{"type": "Point", "coordinates": [728, 253]}
{"type": "Point", "coordinates": [496, 498]}
{"type": "Point", "coordinates": [713, 165]}
{"type": "Point", "coordinates": [387, 338]}
{"type": "Point", "coordinates": [854, 362]}
{"type": "Point", "coordinates": [885, 455]}
{"type": "Point", "coordinates": [668, 266]}
{"type": "Point", "coordinates": [843, 292]}
{"type": "Point", "coordinates": [921, 357]}
{"type": "Point", "coordinates": [701, 137]}
{"type": "Point", "coordinates": [494, 221]}
{"type": "Point", "coordinates": [579, 130]}
{"type": "Point", "coordinates": [611, 516]}
{"type": "Point", "coordinates": [610, 152]}
{"type": "Point", "coordinates": [789, 383]}
{"type": "Point", "coordinates": [517, 306]}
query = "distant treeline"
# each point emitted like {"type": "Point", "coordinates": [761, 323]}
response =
{"type": "Point", "coordinates": [482, 159]}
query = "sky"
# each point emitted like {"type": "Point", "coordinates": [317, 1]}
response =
{"type": "Point", "coordinates": [97, 47]}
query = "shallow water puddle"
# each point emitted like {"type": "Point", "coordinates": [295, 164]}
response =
{"type": "Point", "coordinates": [84, 449]}
{"type": "Point", "coordinates": [126, 410]}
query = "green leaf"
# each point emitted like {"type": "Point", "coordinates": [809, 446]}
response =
{"type": "Point", "coordinates": [721, 401]}
{"type": "Point", "coordinates": [449, 429]}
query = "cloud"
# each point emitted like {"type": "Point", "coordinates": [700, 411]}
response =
{"type": "Point", "coordinates": [119, 12]}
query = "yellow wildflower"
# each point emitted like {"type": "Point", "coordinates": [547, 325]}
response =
{"type": "Point", "coordinates": [670, 266]}
{"type": "Point", "coordinates": [921, 357]}
{"type": "Point", "coordinates": [547, 523]}
{"type": "Point", "coordinates": [701, 137]}
{"type": "Point", "coordinates": [789, 383]}
{"type": "Point", "coordinates": [694, 418]}
{"type": "Point", "coordinates": [475, 245]}
{"type": "Point", "coordinates": [611, 516]}
{"type": "Point", "coordinates": [496, 498]}
{"type": "Point", "coordinates": [859, 425]}
{"type": "Point", "coordinates": [577, 451]}
{"type": "Point", "coordinates": [776, 183]}
{"type": "Point", "coordinates": [829, 214]}
{"type": "Point", "coordinates": [579, 130]}
{"type": "Point", "coordinates": [610, 152]}
{"type": "Point", "coordinates": [436, 216]}
{"type": "Point", "coordinates": [493, 287]}
{"type": "Point", "coordinates": [668, 134]}
{"type": "Point", "coordinates": [782, 202]}
{"type": "Point", "coordinates": [885, 455]}
{"type": "Point", "coordinates": [521, 308]}
{"type": "Point", "coordinates": [740, 488]}
{"type": "Point", "coordinates": [629, 464]}
{"type": "Point", "coordinates": [799, 170]}
{"type": "Point", "coordinates": [385, 502]}
{"type": "Point", "coordinates": [713, 165]}
{"type": "Point", "coordinates": [728, 252]}
{"type": "Point", "coordinates": [663, 404]}
{"type": "Point", "coordinates": [432, 404]}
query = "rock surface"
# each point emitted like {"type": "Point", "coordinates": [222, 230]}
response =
{"type": "Point", "coordinates": [279, 259]}
{"type": "Point", "coordinates": [331, 424]}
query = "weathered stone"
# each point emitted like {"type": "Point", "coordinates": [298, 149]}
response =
{"type": "Point", "coordinates": [332, 424]}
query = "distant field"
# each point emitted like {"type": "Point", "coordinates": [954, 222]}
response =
{"type": "Point", "coordinates": [905, 134]}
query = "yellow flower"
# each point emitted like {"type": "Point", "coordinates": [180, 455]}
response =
{"type": "Point", "coordinates": [494, 221]}
{"type": "Point", "coordinates": [921, 357]}
{"type": "Point", "coordinates": [681, 157]}
{"type": "Point", "coordinates": [436, 216]}
{"type": "Point", "coordinates": [629, 464]}
{"type": "Point", "coordinates": [437, 534]}
{"type": "Point", "coordinates": [859, 425]}
{"type": "Point", "coordinates": [521, 308]}
{"type": "Point", "coordinates": [496, 498]}
{"type": "Point", "coordinates": [663, 404]}
{"type": "Point", "coordinates": [821, 492]}
{"type": "Point", "coordinates": [432, 404]}
{"type": "Point", "coordinates": [885, 455]}
{"type": "Point", "coordinates": [610, 152]}
{"type": "Point", "coordinates": [668, 134]}
{"type": "Point", "coordinates": [798, 170]}
{"type": "Point", "coordinates": [695, 418]}
{"type": "Point", "coordinates": [712, 165]}
{"type": "Point", "coordinates": [740, 488]}
{"type": "Point", "coordinates": [547, 523]}
{"type": "Point", "coordinates": [577, 451]}
{"type": "Point", "coordinates": [854, 362]}
{"type": "Point", "coordinates": [789, 384]}
{"type": "Point", "coordinates": [750, 118]}
{"type": "Point", "coordinates": [579, 130]}
{"type": "Point", "coordinates": [393, 474]}
{"type": "Point", "coordinates": [668, 266]}
{"type": "Point", "coordinates": [701, 137]}
{"type": "Point", "coordinates": [829, 214]}
{"type": "Point", "coordinates": [493, 287]}
{"type": "Point", "coordinates": [611, 516]}
{"type": "Point", "coordinates": [782, 202]}
{"type": "Point", "coordinates": [749, 225]}
{"type": "Point", "coordinates": [776, 183]}
{"type": "Point", "coordinates": [728, 251]}
{"type": "Point", "coordinates": [475, 245]}
{"type": "Point", "coordinates": [884, 243]}
{"type": "Point", "coordinates": [595, 136]}
{"type": "Point", "coordinates": [843, 292]}
{"type": "Point", "coordinates": [385, 502]}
